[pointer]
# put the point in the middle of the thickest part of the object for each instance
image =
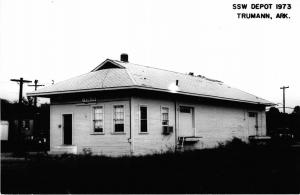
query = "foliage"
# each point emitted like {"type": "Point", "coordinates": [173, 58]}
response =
{"type": "Point", "coordinates": [277, 120]}
{"type": "Point", "coordinates": [233, 144]}
{"type": "Point", "coordinates": [296, 110]}
{"type": "Point", "coordinates": [87, 151]}
{"type": "Point", "coordinates": [220, 170]}
{"type": "Point", "coordinates": [14, 112]}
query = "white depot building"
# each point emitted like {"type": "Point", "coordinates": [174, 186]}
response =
{"type": "Point", "coordinates": [122, 108]}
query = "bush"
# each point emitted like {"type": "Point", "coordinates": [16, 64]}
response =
{"type": "Point", "coordinates": [234, 144]}
{"type": "Point", "coordinates": [233, 167]}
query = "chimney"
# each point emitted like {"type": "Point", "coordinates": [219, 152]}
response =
{"type": "Point", "coordinates": [124, 57]}
{"type": "Point", "coordinates": [177, 82]}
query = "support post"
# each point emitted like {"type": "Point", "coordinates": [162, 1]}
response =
{"type": "Point", "coordinates": [36, 85]}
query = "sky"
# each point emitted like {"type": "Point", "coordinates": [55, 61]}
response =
{"type": "Point", "coordinates": [55, 40]}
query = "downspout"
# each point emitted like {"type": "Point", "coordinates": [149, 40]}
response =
{"type": "Point", "coordinates": [175, 126]}
{"type": "Point", "coordinates": [261, 124]}
{"type": "Point", "coordinates": [130, 128]}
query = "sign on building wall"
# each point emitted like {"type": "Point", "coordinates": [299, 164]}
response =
{"type": "Point", "coordinates": [88, 100]}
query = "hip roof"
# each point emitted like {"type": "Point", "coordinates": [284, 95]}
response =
{"type": "Point", "coordinates": [114, 75]}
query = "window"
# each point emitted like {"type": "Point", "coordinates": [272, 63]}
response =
{"type": "Point", "coordinates": [165, 116]}
{"type": "Point", "coordinates": [143, 117]}
{"type": "Point", "coordinates": [98, 119]}
{"type": "Point", "coordinates": [119, 118]}
{"type": "Point", "coordinates": [185, 109]}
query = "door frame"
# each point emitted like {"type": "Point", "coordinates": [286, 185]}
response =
{"type": "Point", "coordinates": [193, 117]}
{"type": "Point", "coordinates": [62, 128]}
{"type": "Point", "coordinates": [256, 126]}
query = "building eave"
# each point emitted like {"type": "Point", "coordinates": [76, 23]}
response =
{"type": "Point", "coordinates": [48, 94]}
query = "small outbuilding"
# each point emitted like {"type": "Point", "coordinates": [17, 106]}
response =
{"type": "Point", "coordinates": [122, 108]}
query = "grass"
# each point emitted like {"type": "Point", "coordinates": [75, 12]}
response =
{"type": "Point", "coordinates": [232, 168]}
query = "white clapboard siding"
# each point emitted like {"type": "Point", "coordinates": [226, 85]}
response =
{"type": "Point", "coordinates": [154, 140]}
{"type": "Point", "coordinates": [83, 135]}
{"type": "Point", "coordinates": [215, 124]}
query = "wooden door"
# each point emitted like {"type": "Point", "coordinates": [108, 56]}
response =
{"type": "Point", "coordinates": [186, 127]}
{"type": "Point", "coordinates": [253, 123]}
{"type": "Point", "coordinates": [67, 129]}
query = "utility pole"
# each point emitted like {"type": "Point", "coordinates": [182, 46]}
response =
{"type": "Point", "coordinates": [21, 81]}
{"type": "Point", "coordinates": [35, 88]}
{"type": "Point", "coordinates": [283, 96]}
{"type": "Point", "coordinates": [20, 145]}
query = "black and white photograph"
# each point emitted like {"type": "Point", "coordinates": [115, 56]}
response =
{"type": "Point", "coordinates": [150, 97]}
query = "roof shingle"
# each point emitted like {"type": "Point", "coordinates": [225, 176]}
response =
{"type": "Point", "coordinates": [135, 76]}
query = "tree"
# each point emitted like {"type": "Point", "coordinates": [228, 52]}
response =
{"type": "Point", "coordinates": [296, 110]}
{"type": "Point", "coordinates": [273, 117]}
{"type": "Point", "coordinates": [295, 122]}
{"type": "Point", "coordinates": [274, 110]}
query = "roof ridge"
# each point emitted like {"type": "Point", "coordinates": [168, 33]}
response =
{"type": "Point", "coordinates": [150, 67]}
{"type": "Point", "coordinates": [59, 82]}
{"type": "Point", "coordinates": [202, 77]}
{"type": "Point", "coordinates": [103, 80]}
{"type": "Point", "coordinates": [248, 93]}
{"type": "Point", "coordinates": [130, 76]}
